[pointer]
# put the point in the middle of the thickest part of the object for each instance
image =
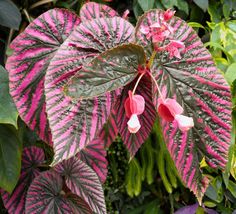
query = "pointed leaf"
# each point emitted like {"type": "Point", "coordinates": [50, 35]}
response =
{"type": "Point", "coordinates": [94, 155]}
{"type": "Point", "coordinates": [31, 158]}
{"type": "Point", "coordinates": [8, 112]}
{"type": "Point", "coordinates": [75, 123]}
{"type": "Point", "coordinates": [10, 157]}
{"type": "Point", "coordinates": [93, 10]}
{"type": "Point", "coordinates": [46, 195]}
{"type": "Point", "coordinates": [204, 95]}
{"type": "Point", "coordinates": [146, 119]}
{"type": "Point", "coordinates": [84, 182]}
{"type": "Point", "coordinates": [32, 51]}
{"type": "Point", "coordinates": [109, 71]}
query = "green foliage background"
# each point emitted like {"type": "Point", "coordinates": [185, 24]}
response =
{"type": "Point", "coordinates": [149, 183]}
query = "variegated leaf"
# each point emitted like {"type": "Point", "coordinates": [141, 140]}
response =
{"type": "Point", "coordinates": [111, 70]}
{"type": "Point", "coordinates": [32, 157]}
{"type": "Point", "coordinates": [32, 51]}
{"type": "Point", "coordinates": [93, 10]}
{"type": "Point", "coordinates": [78, 205]}
{"type": "Point", "coordinates": [147, 118]}
{"type": "Point", "coordinates": [84, 182]}
{"type": "Point", "coordinates": [202, 91]}
{"type": "Point", "coordinates": [75, 123]}
{"type": "Point", "coordinates": [46, 195]}
{"type": "Point", "coordinates": [94, 155]}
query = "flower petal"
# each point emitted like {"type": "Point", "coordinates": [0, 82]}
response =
{"type": "Point", "coordinates": [173, 106]}
{"type": "Point", "coordinates": [133, 124]}
{"type": "Point", "coordinates": [138, 104]}
{"type": "Point", "coordinates": [165, 113]}
{"type": "Point", "coordinates": [184, 123]}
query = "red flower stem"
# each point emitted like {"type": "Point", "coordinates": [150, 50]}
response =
{"type": "Point", "coordinates": [159, 91]}
{"type": "Point", "coordinates": [136, 84]}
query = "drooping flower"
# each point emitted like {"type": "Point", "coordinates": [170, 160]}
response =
{"type": "Point", "coordinates": [170, 110]}
{"type": "Point", "coordinates": [134, 106]}
{"type": "Point", "coordinates": [168, 14]}
{"type": "Point", "coordinates": [174, 48]}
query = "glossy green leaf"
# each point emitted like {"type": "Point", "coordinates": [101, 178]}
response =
{"type": "Point", "coordinates": [232, 188]}
{"type": "Point", "coordinates": [183, 5]}
{"type": "Point", "coordinates": [109, 71]}
{"type": "Point", "coordinates": [8, 112]}
{"type": "Point", "coordinates": [9, 14]}
{"type": "Point", "coordinates": [10, 158]}
{"type": "Point", "coordinates": [230, 74]}
{"type": "Point", "coordinates": [196, 25]}
{"type": "Point", "coordinates": [169, 3]}
{"type": "Point", "coordinates": [146, 5]}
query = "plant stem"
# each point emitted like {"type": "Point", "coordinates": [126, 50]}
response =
{"type": "Point", "coordinates": [159, 91]}
{"type": "Point", "coordinates": [151, 59]}
{"type": "Point", "coordinates": [136, 84]}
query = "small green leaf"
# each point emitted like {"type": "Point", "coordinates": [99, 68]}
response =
{"type": "Point", "coordinates": [9, 14]}
{"type": "Point", "coordinates": [209, 204]}
{"type": "Point", "coordinates": [226, 10]}
{"type": "Point", "coordinates": [146, 5]}
{"type": "Point", "coordinates": [10, 157]}
{"type": "Point", "coordinates": [230, 74]}
{"type": "Point", "coordinates": [196, 25]}
{"type": "Point", "coordinates": [8, 112]}
{"type": "Point", "coordinates": [232, 188]}
{"type": "Point", "coordinates": [203, 4]}
{"type": "Point", "coordinates": [109, 71]}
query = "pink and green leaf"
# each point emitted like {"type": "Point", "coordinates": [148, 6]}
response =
{"type": "Point", "coordinates": [93, 10]}
{"type": "Point", "coordinates": [84, 182]}
{"type": "Point", "coordinates": [46, 195]}
{"type": "Point", "coordinates": [147, 118]}
{"type": "Point", "coordinates": [32, 157]}
{"type": "Point", "coordinates": [204, 95]}
{"type": "Point", "coordinates": [32, 51]}
{"type": "Point", "coordinates": [111, 70]}
{"type": "Point", "coordinates": [74, 123]}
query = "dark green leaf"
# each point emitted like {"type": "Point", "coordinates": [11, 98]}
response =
{"type": "Point", "coordinates": [169, 3]}
{"type": "Point", "coordinates": [109, 71]}
{"type": "Point", "coordinates": [9, 14]}
{"type": "Point", "coordinates": [8, 112]}
{"type": "Point", "coordinates": [203, 4]}
{"type": "Point", "coordinates": [232, 188]}
{"type": "Point", "coordinates": [183, 5]}
{"type": "Point", "coordinates": [146, 5]}
{"type": "Point", "coordinates": [10, 158]}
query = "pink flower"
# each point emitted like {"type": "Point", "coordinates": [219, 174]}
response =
{"type": "Point", "coordinates": [134, 106]}
{"type": "Point", "coordinates": [168, 14]}
{"type": "Point", "coordinates": [174, 48]}
{"type": "Point", "coordinates": [170, 110]}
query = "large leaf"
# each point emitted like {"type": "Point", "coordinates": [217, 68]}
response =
{"type": "Point", "coordinates": [109, 71]}
{"type": "Point", "coordinates": [46, 195]}
{"type": "Point", "coordinates": [84, 182]}
{"type": "Point", "coordinates": [75, 123]}
{"type": "Point", "coordinates": [10, 157]}
{"type": "Point", "coordinates": [93, 10]}
{"type": "Point", "coordinates": [32, 157]}
{"type": "Point", "coordinates": [8, 112]}
{"type": "Point", "coordinates": [9, 14]}
{"type": "Point", "coordinates": [147, 118]}
{"type": "Point", "coordinates": [203, 93]}
{"type": "Point", "coordinates": [94, 155]}
{"type": "Point", "coordinates": [32, 51]}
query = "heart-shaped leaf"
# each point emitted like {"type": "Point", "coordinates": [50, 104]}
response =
{"type": "Point", "coordinates": [94, 155]}
{"type": "Point", "coordinates": [32, 51]}
{"type": "Point", "coordinates": [46, 195]}
{"type": "Point", "coordinates": [31, 158]}
{"type": "Point", "coordinates": [93, 10]}
{"type": "Point", "coordinates": [146, 119]}
{"type": "Point", "coordinates": [74, 123]}
{"type": "Point", "coordinates": [10, 157]}
{"type": "Point", "coordinates": [193, 80]}
{"type": "Point", "coordinates": [84, 182]}
{"type": "Point", "coordinates": [8, 112]}
{"type": "Point", "coordinates": [109, 71]}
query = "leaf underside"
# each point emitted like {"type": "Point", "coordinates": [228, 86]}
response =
{"type": "Point", "coordinates": [205, 96]}
{"type": "Point", "coordinates": [31, 158]}
{"type": "Point", "coordinates": [84, 182]}
{"type": "Point", "coordinates": [147, 118]}
{"type": "Point", "coordinates": [32, 51]}
{"type": "Point", "coordinates": [75, 123]}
